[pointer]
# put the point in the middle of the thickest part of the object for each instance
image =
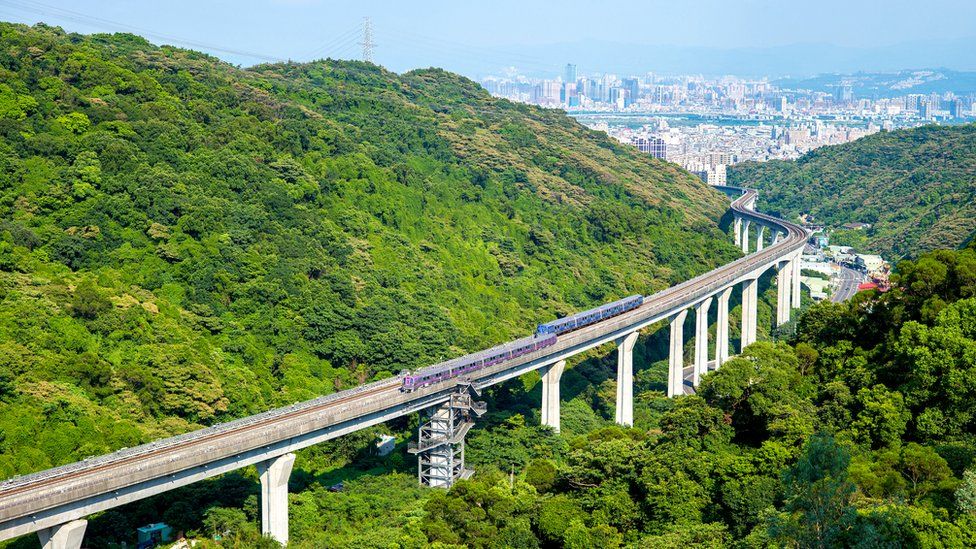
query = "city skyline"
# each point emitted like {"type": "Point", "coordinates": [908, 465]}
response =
{"type": "Point", "coordinates": [707, 124]}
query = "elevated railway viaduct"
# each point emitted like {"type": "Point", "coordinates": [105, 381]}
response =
{"type": "Point", "coordinates": [55, 502]}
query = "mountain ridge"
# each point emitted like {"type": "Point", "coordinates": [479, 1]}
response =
{"type": "Point", "coordinates": [185, 242]}
{"type": "Point", "coordinates": [916, 187]}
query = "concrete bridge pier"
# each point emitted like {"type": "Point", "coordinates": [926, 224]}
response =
{"type": "Point", "coordinates": [550, 393]}
{"type": "Point", "coordinates": [784, 281]}
{"type": "Point", "coordinates": [745, 236]}
{"type": "Point", "coordinates": [722, 328]}
{"type": "Point", "coordinates": [274, 475]}
{"type": "Point", "coordinates": [737, 230]}
{"type": "Point", "coordinates": [760, 244]}
{"type": "Point", "coordinates": [795, 275]}
{"type": "Point", "coordinates": [701, 340]}
{"type": "Point", "coordinates": [625, 379]}
{"type": "Point", "coordinates": [750, 299]}
{"type": "Point", "coordinates": [63, 536]}
{"type": "Point", "coordinates": [676, 356]}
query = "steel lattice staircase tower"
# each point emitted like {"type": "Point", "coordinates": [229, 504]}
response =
{"type": "Point", "coordinates": [440, 446]}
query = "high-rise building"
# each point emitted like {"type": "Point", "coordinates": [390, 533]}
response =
{"type": "Point", "coordinates": [654, 146]}
{"type": "Point", "coordinates": [844, 94]}
{"type": "Point", "coordinates": [570, 95]}
{"type": "Point", "coordinates": [719, 158]}
{"type": "Point", "coordinates": [589, 88]}
{"type": "Point", "coordinates": [914, 102]}
{"type": "Point", "coordinates": [632, 85]}
{"type": "Point", "coordinates": [956, 108]}
{"type": "Point", "coordinates": [925, 111]}
{"type": "Point", "coordinates": [715, 175]}
{"type": "Point", "coordinates": [570, 75]}
{"type": "Point", "coordinates": [547, 92]}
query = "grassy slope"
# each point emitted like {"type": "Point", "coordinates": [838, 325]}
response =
{"type": "Point", "coordinates": [183, 241]}
{"type": "Point", "coordinates": [918, 187]}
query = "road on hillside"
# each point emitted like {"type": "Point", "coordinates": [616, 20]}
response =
{"type": "Point", "coordinates": [847, 284]}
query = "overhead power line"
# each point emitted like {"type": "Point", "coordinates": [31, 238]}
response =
{"type": "Point", "coordinates": [335, 43]}
{"type": "Point", "coordinates": [46, 10]}
{"type": "Point", "coordinates": [434, 50]}
{"type": "Point", "coordinates": [439, 49]}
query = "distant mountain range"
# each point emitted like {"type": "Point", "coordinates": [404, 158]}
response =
{"type": "Point", "coordinates": [796, 60]}
{"type": "Point", "coordinates": [889, 84]}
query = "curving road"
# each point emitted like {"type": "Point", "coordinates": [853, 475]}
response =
{"type": "Point", "coordinates": [58, 495]}
{"type": "Point", "coordinates": [847, 284]}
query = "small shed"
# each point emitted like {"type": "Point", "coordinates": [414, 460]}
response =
{"type": "Point", "coordinates": [152, 535]}
{"type": "Point", "coordinates": [385, 445]}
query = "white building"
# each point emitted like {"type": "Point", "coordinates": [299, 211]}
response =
{"type": "Point", "coordinates": [870, 263]}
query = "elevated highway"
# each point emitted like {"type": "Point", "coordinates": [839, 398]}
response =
{"type": "Point", "coordinates": [54, 502]}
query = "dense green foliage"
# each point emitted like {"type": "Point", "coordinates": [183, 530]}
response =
{"type": "Point", "coordinates": [860, 432]}
{"type": "Point", "coordinates": [183, 241]}
{"type": "Point", "coordinates": [916, 187]}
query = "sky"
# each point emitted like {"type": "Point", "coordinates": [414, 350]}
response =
{"type": "Point", "coordinates": [474, 36]}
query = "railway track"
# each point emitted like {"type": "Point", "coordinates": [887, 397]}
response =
{"type": "Point", "coordinates": [21, 484]}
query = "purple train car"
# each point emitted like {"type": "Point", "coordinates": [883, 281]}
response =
{"type": "Point", "coordinates": [476, 361]}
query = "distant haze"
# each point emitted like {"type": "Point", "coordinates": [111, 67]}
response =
{"type": "Point", "coordinates": [796, 60]}
{"type": "Point", "coordinates": [746, 37]}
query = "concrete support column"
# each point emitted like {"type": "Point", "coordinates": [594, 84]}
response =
{"type": "Point", "coordinates": [750, 298]}
{"type": "Point", "coordinates": [625, 379]}
{"type": "Point", "coordinates": [737, 230]}
{"type": "Point", "coordinates": [784, 282]}
{"type": "Point", "coordinates": [745, 236]}
{"type": "Point", "coordinates": [676, 356]}
{"type": "Point", "coordinates": [760, 244]}
{"type": "Point", "coordinates": [701, 340]}
{"type": "Point", "coordinates": [722, 328]}
{"type": "Point", "coordinates": [63, 536]}
{"type": "Point", "coordinates": [274, 496]}
{"type": "Point", "coordinates": [550, 393]}
{"type": "Point", "coordinates": [795, 275]}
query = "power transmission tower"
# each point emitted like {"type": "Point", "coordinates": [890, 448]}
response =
{"type": "Point", "coordinates": [367, 42]}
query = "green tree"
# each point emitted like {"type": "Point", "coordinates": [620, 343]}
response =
{"type": "Point", "coordinates": [818, 510]}
{"type": "Point", "coordinates": [88, 301]}
{"type": "Point", "coordinates": [557, 515]}
{"type": "Point", "coordinates": [924, 469]}
{"type": "Point", "coordinates": [966, 493]}
{"type": "Point", "coordinates": [224, 522]}
{"type": "Point", "coordinates": [541, 473]}
{"type": "Point", "coordinates": [882, 419]}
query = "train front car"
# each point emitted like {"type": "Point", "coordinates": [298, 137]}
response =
{"type": "Point", "coordinates": [591, 316]}
{"type": "Point", "coordinates": [409, 383]}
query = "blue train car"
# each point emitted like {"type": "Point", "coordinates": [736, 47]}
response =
{"type": "Point", "coordinates": [475, 361]}
{"type": "Point", "coordinates": [585, 318]}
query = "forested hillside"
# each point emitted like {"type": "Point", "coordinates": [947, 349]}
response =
{"type": "Point", "coordinates": [859, 431]}
{"type": "Point", "coordinates": [916, 187]}
{"type": "Point", "coordinates": [183, 241]}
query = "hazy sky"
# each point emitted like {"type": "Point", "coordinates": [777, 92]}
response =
{"type": "Point", "coordinates": [421, 33]}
